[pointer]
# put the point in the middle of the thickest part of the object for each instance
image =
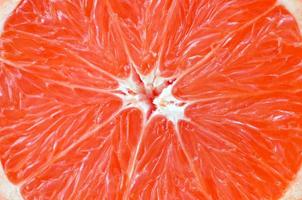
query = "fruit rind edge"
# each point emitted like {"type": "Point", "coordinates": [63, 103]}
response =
{"type": "Point", "coordinates": [295, 8]}
{"type": "Point", "coordinates": [8, 191]}
{"type": "Point", "coordinates": [6, 8]}
{"type": "Point", "coordinates": [294, 191]}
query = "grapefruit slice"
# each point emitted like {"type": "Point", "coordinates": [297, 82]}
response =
{"type": "Point", "coordinates": [171, 99]}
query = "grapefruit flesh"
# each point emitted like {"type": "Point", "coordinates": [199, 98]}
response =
{"type": "Point", "coordinates": [151, 99]}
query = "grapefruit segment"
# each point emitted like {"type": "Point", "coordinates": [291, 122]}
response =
{"type": "Point", "coordinates": [96, 166]}
{"type": "Point", "coordinates": [157, 18]}
{"type": "Point", "coordinates": [53, 121]}
{"type": "Point", "coordinates": [155, 177]}
{"type": "Point", "coordinates": [53, 21]}
{"type": "Point", "coordinates": [59, 129]}
{"type": "Point", "coordinates": [196, 29]}
{"type": "Point", "coordinates": [238, 152]}
{"type": "Point", "coordinates": [240, 66]}
{"type": "Point", "coordinates": [66, 66]}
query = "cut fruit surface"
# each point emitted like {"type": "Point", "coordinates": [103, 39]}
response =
{"type": "Point", "coordinates": [165, 99]}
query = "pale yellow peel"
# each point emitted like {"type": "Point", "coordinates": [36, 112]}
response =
{"type": "Point", "coordinates": [294, 191]}
{"type": "Point", "coordinates": [295, 8]}
{"type": "Point", "coordinates": [8, 191]}
{"type": "Point", "coordinates": [6, 8]}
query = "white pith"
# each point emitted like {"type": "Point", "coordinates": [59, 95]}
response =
{"type": "Point", "coordinates": [295, 8]}
{"type": "Point", "coordinates": [294, 191]}
{"type": "Point", "coordinates": [166, 104]}
{"type": "Point", "coordinates": [6, 8]}
{"type": "Point", "coordinates": [131, 100]}
{"type": "Point", "coordinates": [153, 79]}
{"type": "Point", "coordinates": [170, 107]}
{"type": "Point", "coordinates": [8, 191]}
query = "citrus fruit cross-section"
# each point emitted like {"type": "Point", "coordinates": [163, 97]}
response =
{"type": "Point", "coordinates": [150, 99]}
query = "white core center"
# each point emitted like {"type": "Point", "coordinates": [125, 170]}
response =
{"type": "Point", "coordinates": [168, 106]}
{"type": "Point", "coordinates": [153, 96]}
